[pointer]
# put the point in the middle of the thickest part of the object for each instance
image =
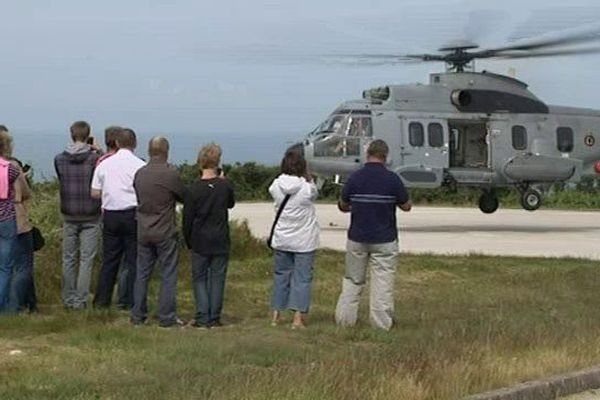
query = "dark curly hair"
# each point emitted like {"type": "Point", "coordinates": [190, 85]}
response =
{"type": "Point", "coordinates": [293, 163]}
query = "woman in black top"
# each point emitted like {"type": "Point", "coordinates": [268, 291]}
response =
{"type": "Point", "coordinates": [206, 232]}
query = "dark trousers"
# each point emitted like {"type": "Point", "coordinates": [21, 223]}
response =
{"type": "Point", "coordinates": [166, 253]}
{"type": "Point", "coordinates": [22, 288]}
{"type": "Point", "coordinates": [119, 236]}
{"type": "Point", "coordinates": [208, 281]}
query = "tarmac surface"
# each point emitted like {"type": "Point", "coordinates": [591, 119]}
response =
{"type": "Point", "coordinates": [544, 233]}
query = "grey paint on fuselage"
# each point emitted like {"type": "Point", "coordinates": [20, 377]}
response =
{"type": "Point", "coordinates": [432, 103]}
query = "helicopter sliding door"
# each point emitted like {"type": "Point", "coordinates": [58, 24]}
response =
{"type": "Point", "coordinates": [423, 151]}
{"type": "Point", "coordinates": [469, 147]}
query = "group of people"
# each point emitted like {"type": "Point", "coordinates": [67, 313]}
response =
{"type": "Point", "coordinates": [132, 203]}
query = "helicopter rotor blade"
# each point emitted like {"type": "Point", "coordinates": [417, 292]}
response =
{"type": "Point", "coordinates": [548, 53]}
{"type": "Point", "coordinates": [573, 38]}
{"type": "Point", "coordinates": [378, 59]}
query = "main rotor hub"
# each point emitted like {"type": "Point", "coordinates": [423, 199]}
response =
{"type": "Point", "coordinates": [458, 58]}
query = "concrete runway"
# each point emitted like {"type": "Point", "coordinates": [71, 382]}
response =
{"type": "Point", "coordinates": [544, 233]}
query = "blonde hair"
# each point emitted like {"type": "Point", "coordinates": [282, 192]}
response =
{"type": "Point", "coordinates": [209, 156]}
{"type": "Point", "coordinates": [6, 144]}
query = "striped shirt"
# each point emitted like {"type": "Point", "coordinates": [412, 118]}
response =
{"type": "Point", "coordinates": [374, 192]}
{"type": "Point", "coordinates": [7, 207]}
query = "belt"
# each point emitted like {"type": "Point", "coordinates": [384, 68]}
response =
{"type": "Point", "coordinates": [121, 211]}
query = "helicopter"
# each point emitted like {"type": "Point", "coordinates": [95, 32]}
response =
{"type": "Point", "coordinates": [465, 128]}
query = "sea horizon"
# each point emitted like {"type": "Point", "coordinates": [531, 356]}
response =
{"type": "Point", "coordinates": [38, 149]}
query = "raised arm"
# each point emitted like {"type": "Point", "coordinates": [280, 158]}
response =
{"type": "Point", "coordinates": [344, 204]}
{"type": "Point", "coordinates": [177, 187]}
{"type": "Point", "coordinates": [402, 198]}
{"type": "Point", "coordinates": [189, 214]}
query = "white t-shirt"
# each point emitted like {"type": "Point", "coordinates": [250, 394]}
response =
{"type": "Point", "coordinates": [114, 177]}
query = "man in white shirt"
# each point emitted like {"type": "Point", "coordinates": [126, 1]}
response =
{"type": "Point", "coordinates": [113, 183]}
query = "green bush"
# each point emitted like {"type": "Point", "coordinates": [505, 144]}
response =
{"type": "Point", "coordinates": [251, 180]}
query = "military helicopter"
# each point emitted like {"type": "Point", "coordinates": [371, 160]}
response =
{"type": "Point", "coordinates": [465, 128]}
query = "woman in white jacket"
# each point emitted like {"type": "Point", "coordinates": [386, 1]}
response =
{"type": "Point", "coordinates": [295, 239]}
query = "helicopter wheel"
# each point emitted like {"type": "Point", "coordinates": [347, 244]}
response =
{"type": "Point", "coordinates": [531, 200]}
{"type": "Point", "coordinates": [488, 202]}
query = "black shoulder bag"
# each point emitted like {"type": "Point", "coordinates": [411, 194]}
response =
{"type": "Point", "coordinates": [281, 207]}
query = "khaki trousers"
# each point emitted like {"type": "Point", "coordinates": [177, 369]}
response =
{"type": "Point", "coordinates": [383, 258]}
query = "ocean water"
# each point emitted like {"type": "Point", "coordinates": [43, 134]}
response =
{"type": "Point", "coordinates": [39, 148]}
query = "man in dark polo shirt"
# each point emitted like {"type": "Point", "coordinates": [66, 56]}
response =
{"type": "Point", "coordinates": [158, 188]}
{"type": "Point", "coordinates": [371, 194]}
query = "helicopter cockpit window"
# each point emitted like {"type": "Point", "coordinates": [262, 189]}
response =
{"type": "Point", "coordinates": [564, 139]}
{"type": "Point", "coordinates": [341, 135]}
{"type": "Point", "coordinates": [519, 137]}
{"type": "Point", "coordinates": [416, 136]}
{"type": "Point", "coordinates": [334, 125]}
{"type": "Point", "coordinates": [435, 134]}
{"type": "Point", "coordinates": [360, 126]}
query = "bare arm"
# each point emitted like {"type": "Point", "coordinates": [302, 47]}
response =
{"type": "Point", "coordinates": [343, 206]}
{"type": "Point", "coordinates": [25, 189]}
{"type": "Point", "coordinates": [96, 194]}
{"type": "Point", "coordinates": [405, 206]}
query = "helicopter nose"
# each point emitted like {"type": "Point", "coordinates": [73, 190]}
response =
{"type": "Point", "coordinates": [297, 148]}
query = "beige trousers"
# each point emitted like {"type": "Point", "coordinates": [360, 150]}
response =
{"type": "Point", "coordinates": [383, 258]}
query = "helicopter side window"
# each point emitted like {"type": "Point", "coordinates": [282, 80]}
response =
{"type": "Point", "coordinates": [519, 137]}
{"type": "Point", "coordinates": [564, 139]}
{"type": "Point", "coordinates": [416, 136]}
{"type": "Point", "coordinates": [435, 134]}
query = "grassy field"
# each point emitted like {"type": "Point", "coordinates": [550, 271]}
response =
{"type": "Point", "coordinates": [464, 325]}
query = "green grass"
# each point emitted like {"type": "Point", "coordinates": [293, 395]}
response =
{"type": "Point", "coordinates": [464, 325]}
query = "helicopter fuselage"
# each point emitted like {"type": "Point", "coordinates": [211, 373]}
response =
{"type": "Point", "coordinates": [463, 129]}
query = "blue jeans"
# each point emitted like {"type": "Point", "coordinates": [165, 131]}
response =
{"type": "Point", "coordinates": [292, 280]}
{"type": "Point", "coordinates": [166, 253]}
{"type": "Point", "coordinates": [22, 288]}
{"type": "Point", "coordinates": [8, 241]}
{"type": "Point", "coordinates": [208, 281]}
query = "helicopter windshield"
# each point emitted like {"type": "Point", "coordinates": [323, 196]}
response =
{"type": "Point", "coordinates": [341, 135]}
{"type": "Point", "coordinates": [334, 125]}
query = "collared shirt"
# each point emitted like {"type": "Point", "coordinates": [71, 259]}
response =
{"type": "Point", "coordinates": [105, 156]}
{"type": "Point", "coordinates": [114, 177]}
{"type": "Point", "coordinates": [158, 188]}
{"type": "Point", "coordinates": [374, 192]}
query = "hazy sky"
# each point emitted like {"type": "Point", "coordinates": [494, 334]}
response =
{"type": "Point", "coordinates": [249, 65]}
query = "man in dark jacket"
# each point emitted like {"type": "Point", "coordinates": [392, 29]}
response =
{"type": "Point", "coordinates": [81, 213]}
{"type": "Point", "coordinates": [158, 188]}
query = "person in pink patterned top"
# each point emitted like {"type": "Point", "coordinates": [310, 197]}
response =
{"type": "Point", "coordinates": [8, 218]}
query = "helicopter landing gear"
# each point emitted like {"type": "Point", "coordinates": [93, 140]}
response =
{"type": "Point", "coordinates": [531, 199]}
{"type": "Point", "coordinates": [488, 202]}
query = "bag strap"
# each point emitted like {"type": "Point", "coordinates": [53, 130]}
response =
{"type": "Point", "coordinates": [281, 207]}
